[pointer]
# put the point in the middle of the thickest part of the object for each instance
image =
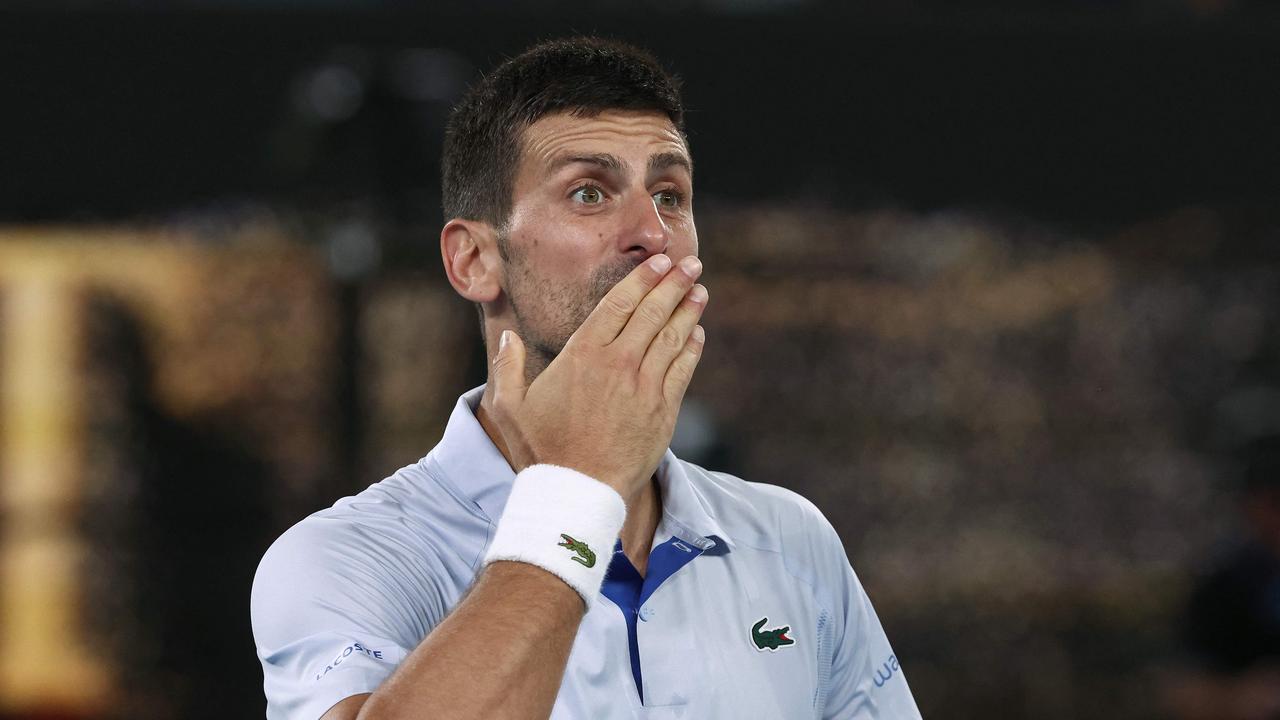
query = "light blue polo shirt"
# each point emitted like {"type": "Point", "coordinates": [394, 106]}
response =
{"type": "Point", "coordinates": [749, 608]}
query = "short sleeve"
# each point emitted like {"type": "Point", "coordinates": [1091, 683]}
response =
{"type": "Point", "coordinates": [330, 620]}
{"type": "Point", "coordinates": [866, 679]}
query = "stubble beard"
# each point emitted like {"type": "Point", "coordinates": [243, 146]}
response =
{"type": "Point", "coordinates": [547, 314]}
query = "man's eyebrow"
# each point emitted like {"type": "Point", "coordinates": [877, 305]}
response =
{"type": "Point", "coordinates": [604, 160]}
{"type": "Point", "coordinates": [665, 160]}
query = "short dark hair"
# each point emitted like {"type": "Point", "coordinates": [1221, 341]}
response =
{"type": "Point", "coordinates": [580, 75]}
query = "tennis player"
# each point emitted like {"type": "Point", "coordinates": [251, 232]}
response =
{"type": "Point", "coordinates": [551, 557]}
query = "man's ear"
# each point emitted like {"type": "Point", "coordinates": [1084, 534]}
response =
{"type": "Point", "coordinates": [470, 254]}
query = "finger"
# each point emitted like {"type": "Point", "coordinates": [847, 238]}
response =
{"type": "Point", "coordinates": [655, 309]}
{"type": "Point", "coordinates": [615, 308]}
{"type": "Point", "coordinates": [508, 372]}
{"type": "Point", "coordinates": [671, 339]}
{"type": "Point", "coordinates": [681, 371]}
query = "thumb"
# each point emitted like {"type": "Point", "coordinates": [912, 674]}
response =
{"type": "Point", "coordinates": [508, 370]}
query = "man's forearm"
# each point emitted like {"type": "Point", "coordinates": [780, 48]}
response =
{"type": "Point", "coordinates": [500, 654]}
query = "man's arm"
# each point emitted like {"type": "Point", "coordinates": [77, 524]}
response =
{"type": "Point", "coordinates": [606, 406]}
{"type": "Point", "coordinates": [500, 654]}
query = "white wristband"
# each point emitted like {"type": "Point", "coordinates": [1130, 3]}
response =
{"type": "Point", "coordinates": [562, 521]}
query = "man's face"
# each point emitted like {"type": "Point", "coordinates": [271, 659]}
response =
{"type": "Point", "coordinates": [593, 197]}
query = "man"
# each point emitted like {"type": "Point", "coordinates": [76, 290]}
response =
{"type": "Point", "coordinates": [473, 583]}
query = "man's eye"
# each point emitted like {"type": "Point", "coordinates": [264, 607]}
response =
{"type": "Point", "coordinates": [589, 195]}
{"type": "Point", "coordinates": [667, 199]}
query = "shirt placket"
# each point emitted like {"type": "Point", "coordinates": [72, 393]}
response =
{"type": "Point", "coordinates": [654, 642]}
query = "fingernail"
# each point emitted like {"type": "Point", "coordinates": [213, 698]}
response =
{"type": "Point", "coordinates": [660, 264]}
{"type": "Point", "coordinates": [691, 265]}
{"type": "Point", "coordinates": [698, 294]}
{"type": "Point", "coordinates": [502, 341]}
{"type": "Point", "coordinates": [699, 335]}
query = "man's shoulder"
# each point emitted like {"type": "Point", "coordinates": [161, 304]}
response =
{"type": "Point", "coordinates": [760, 514]}
{"type": "Point", "coordinates": [409, 518]}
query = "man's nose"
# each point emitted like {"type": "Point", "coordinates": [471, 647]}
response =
{"type": "Point", "coordinates": [645, 232]}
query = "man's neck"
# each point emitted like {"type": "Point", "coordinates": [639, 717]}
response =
{"type": "Point", "coordinates": [644, 508]}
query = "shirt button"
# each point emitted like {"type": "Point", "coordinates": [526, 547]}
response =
{"type": "Point", "coordinates": [646, 613]}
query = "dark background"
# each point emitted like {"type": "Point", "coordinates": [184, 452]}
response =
{"type": "Point", "coordinates": [994, 284]}
{"type": "Point", "coordinates": [1080, 112]}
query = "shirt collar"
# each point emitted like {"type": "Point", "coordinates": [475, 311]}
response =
{"type": "Point", "coordinates": [683, 509]}
{"type": "Point", "coordinates": [473, 464]}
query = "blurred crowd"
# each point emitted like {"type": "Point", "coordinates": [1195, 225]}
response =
{"type": "Point", "coordinates": [1027, 435]}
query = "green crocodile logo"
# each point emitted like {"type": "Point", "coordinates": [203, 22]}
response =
{"type": "Point", "coordinates": [770, 639]}
{"type": "Point", "coordinates": [585, 555]}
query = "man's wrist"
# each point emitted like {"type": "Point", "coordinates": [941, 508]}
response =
{"type": "Point", "coordinates": [562, 521]}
